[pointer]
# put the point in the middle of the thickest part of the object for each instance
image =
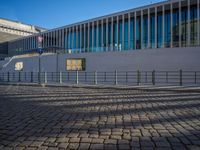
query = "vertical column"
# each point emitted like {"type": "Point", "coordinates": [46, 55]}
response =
{"type": "Point", "coordinates": [97, 36]}
{"type": "Point", "coordinates": [66, 39]}
{"type": "Point", "coordinates": [163, 25]}
{"type": "Point", "coordinates": [198, 23]}
{"type": "Point", "coordinates": [102, 41]}
{"type": "Point", "coordinates": [117, 33]}
{"type": "Point", "coordinates": [69, 43]}
{"type": "Point", "coordinates": [111, 43]}
{"type": "Point", "coordinates": [63, 38]}
{"type": "Point", "coordinates": [73, 42]}
{"type": "Point", "coordinates": [93, 36]}
{"type": "Point", "coordinates": [180, 24]}
{"type": "Point", "coordinates": [88, 37]}
{"type": "Point", "coordinates": [60, 38]}
{"type": "Point", "coordinates": [106, 34]}
{"type": "Point", "coordinates": [142, 27]}
{"type": "Point", "coordinates": [135, 19]}
{"type": "Point", "coordinates": [149, 28]}
{"type": "Point", "coordinates": [171, 18]}
{"type": "Point", "coordinates": [50, 39]}
{"type": "Point", "coordinates": [129, 27]}
{"type": "Point", "coordinates": [156, 27]}
{"type": "Point", "coordinates": [188, 28]}
{"type": "Point", "coordinates": [80, 28]}
{"type": "Point", "coordinates": [76, 30]}
{"type": "Point", "coordinates": [56, 39]}
{"type": "Point", "coordinates": [84, 36]}
{"type": "Point", "coordinates": [122, 32]}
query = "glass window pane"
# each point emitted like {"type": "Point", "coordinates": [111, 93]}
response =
{"type": "Point", "coordinates": [167, 29]}
{"type": "Point", "coordinates": [126, 34]}
{"type": "Point", "coordinates": [145, 32]}
{"type": "Point", "coordinates": [159, 30]}
{"type": "Point", "coordinates": [132, 33]}
{"type": "Point", "coordinates": [138, 33]}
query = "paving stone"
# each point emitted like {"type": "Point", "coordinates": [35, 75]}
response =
{"type": "Point", "coordinates": [34, 117]}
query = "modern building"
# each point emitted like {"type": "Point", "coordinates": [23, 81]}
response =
{"type": "Point", "coordinates": [12, 30]}
{"type": "Point", "coordinates": [162, 36]}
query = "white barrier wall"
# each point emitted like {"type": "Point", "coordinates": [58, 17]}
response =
{"type": "Point", "coordinates": [165, 59]}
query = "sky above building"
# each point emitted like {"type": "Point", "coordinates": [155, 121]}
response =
{"type": "Point", "coordinates": [56, 13]}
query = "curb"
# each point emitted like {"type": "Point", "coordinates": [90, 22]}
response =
{"type": "Point", "coordinates": [195, 89]}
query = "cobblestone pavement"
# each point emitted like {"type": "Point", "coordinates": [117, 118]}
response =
{"type": "Point", "coordinates": [78, 118]}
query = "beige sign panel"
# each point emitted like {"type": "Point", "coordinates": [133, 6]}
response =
{"type": "Point", "coordinates": [19, 66]}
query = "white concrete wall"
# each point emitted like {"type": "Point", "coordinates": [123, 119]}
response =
{"type": "Point", "coordinates": [169, 59]}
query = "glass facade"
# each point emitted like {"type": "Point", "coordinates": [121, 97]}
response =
{"type": "Point", "coordinates": [167, 31]}
{"type": "Point", "coordinates": [159, 31]}
{"type": "Point", "coordinates": [138, 33]}
{"type": "Point", "coordinates": [126, 34]}
{"type": "Point", "coordinates": [115, 34]}
{"type": "Point", "coordinates": [145, 32]}
{"type": "Point", "coordinates": [132, 33]}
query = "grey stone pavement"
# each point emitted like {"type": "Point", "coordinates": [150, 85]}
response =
{"type": "Point", "coordinates": [34, 117]}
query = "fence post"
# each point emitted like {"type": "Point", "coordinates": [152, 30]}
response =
{"type": "Point", "coordinates": [181, 77]}
{"type": "Point", "coordinates": [126, 77]}
{"type": "Point", "coordinates": [3, 76]}
{"type": "Point", "coordinates": [195, 77]}
{"type": "Point", "coordinates": [38, 77]}
{"type": "Point", "coordinates": [14, 76]}
{"type": "Point", "coordinates": [8, 77]}
{"type": "Point", "coordinates": [31, 76]}
{"type": "Point", "coordinates": [116, 82]}
{"type": "Point", "coordinates": [95, 77]}
{"type": "Point", "coordinates": [167, 77]}
{"type": "Point", "coordinates": [85, 76]}
{"type": "Point", "coordinates": [19, 76]}
{"type": "Point", "coordinates": [138, 77]}
{"type": "Point", "coordinates": [76, 76]}
{"type": "Point", "coordinates": [104, 76]}
{"type": "Point", "coordinates": [153, 77]}
{"type": "Point", "coordinates": [25, 76]}
{"type": "Point", "coordinates": [45, 77]}
{"type": "Point", "coordinates": [60, 77]}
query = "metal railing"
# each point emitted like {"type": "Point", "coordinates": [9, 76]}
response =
{"type": "Point", "coordinates": [108, 78]}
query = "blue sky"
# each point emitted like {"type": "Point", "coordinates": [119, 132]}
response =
{"type": "Point", "coordinates": [55, 13]}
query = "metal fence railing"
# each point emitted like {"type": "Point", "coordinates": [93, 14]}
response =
{"type": "Point", "coordinates": [110, 78]}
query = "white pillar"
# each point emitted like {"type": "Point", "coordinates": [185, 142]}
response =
{"type": "Point", "coordinates": [97, 35]}
{"type": "Point", "coordinates": [88, 37]}
{"type": "Point", "coordinates": [66, 44]}
{"type": "Point", "coordinates": [80, 27]}
{"type": "Point", "coordinates": [135, 19]}
{"type": "Point", "coordinates": [117, 33]}
{"type": "Point", "coordinates": [156, 27]}
{"type": "Point", "coordinates": [129, 29]}
{"type": "Point", "coordinates": [59, 37]}
{"type": "Point", "coordinates": [163, 25]}
{"type": "Point", "coordinates": [84, 35]}
{"type": "Point", "coordinates": [77, 39]}
{"type": "Point", "coordinates": [62, 42]}
{"type": "Point", "coordinates": [189, 29]}
{"type": "Point", "coordinates": [107, 34]}
{"type": "Point", "coordinates": [171, 18]}
{"type": "Point", "coordinates": [198, 23]}
{"type": "Point", "coordinates": [73, 42]}
{"type": "Point", "coordinates": [122, 48]}
{"type": "Point", "coordinates": [111, 43]}
{"type": "Point", "coordinates": [148, 28]}
{"type": "Point", "coordinates": [92, 36]}
{"type": "Point", "coordinates": [180, 24]}
{"type": "Point", "coordinates": [102, 34]}
{"type": "Point", "coordinates": [142, 26]}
